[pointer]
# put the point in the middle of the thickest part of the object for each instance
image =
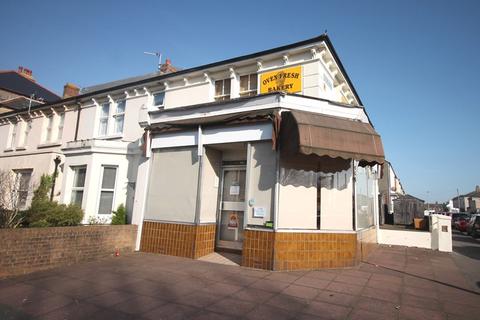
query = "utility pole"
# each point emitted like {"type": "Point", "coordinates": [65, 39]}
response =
{"type": "Point", "coordinates": [157, 54]}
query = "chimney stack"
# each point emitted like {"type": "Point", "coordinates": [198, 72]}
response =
{"type": "Point", "coordinates": [70, 90]}
{"type": "Point", "coordinates": [27, 73]}
{"type": "Point", "coordinates": [167, 67]}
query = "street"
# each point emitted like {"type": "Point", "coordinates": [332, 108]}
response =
{"type": "Point", "coordinates": [466, 254]}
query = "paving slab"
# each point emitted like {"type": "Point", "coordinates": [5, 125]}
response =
{"type": "Point", "coordinates": [393, 283]}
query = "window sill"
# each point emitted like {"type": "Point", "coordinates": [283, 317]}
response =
{"type": "Point", "coordinates": [111, 137]}
{"type": "Point", "coordinates": [8, 150]}
{"type": "Point", "coordinates": [49, 145]}
{"type": "Point", "coordinates": [21, 148]}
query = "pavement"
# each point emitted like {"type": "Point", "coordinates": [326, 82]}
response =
{"type": "Point", "coordinates": [394, 283]}
{"type": "Point", "coordinates": [466, 254]}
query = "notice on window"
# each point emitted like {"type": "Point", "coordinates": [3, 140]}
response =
{"type": "Point", "coordinates": [259, 212]}
{"type": "Point", "coordinates": [283, 80]}
{"type": "Point", "coordinates": [233, 221]}
{"type": "Point", "coordinates": [234, 190]}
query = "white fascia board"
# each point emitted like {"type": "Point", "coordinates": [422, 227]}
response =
{"type": "Point", "coordinates": [252, 132]}
{"type": "Point", "coordinates": [324, 107]}
{"type": "Point", "coordinates": [177, 114]}
{"type": "Point", "coordinates": [269, 102]}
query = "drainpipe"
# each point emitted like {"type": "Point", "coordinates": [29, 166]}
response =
{"type": "Point", "coordinates": [354, 206]}
{"type": "Point", "coordinates": [199, 180]}
{"type": "Point", "coordinates": [57, 161]}
{"type": "Point", "coordinates": [79, 109]}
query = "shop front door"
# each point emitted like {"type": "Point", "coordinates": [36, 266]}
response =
{"type": "Point", "coordinates": [232, 207]}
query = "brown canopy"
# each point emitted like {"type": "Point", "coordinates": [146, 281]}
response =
{"type": "Point", "coordinates": [312, 133]}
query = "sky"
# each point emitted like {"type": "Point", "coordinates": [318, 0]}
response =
{"type": "Point", "coordinates": [414, 64]}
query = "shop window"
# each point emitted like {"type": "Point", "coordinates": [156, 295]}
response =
{"type": "Point", "coordinates": [158, 99]}
{"type": "Point", "coordinates": [364, 187]}
{"type": "Point", "coordinates": [107, 190]}
{"type": "Point", "coordinates": [119, 116]}
{"type": "Point", "coordinates": [103, 121]}
{"type": "Point", "coordinates": [248, 85]}
{"type": "Point", "coordinates": [22, 186]}
{"type": "Point", "coordinates": [222, 90]}
{"type": "Point", "coordinates": [61, 122]}
{"type": "Point", "coordinates": [79, 175]}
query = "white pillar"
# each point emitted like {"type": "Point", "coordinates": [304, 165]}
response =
{"type": "Point", "coordinates": [141, 189]}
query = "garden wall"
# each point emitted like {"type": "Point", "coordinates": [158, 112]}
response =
{"type": "Point", "coordinates": [27, 250]}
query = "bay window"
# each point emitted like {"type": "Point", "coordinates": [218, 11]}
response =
{"type": "Point", "coordinates": [22, 186]}
{"type": "Point", "coordinates": [79, 174]}
{"type": "Point", "coordinates": [107, 190]}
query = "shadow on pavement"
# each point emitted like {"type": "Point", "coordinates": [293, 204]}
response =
{"type": "Point", "coordinates": [469, 251]}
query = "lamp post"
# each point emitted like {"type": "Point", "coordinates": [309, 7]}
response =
{"type": "Point", "coordinates": [57, 161]}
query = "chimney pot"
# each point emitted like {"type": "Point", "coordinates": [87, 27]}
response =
{"type": "Point", "coordinates": [70, 90]}
{"type": "Point", "coordinates": [167, 67]}
{"type": "Point", "coordinates": [27, 73]}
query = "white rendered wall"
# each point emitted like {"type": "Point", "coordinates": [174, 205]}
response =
{"type": "Point", "coordinates": [297, 207]}
{"type": "Point", "coordinates": [336, 204]}
{"type": "Point", "coordinates": [419, 239]}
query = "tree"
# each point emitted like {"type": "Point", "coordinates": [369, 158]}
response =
{"type": "Point", "coordinates": [12, 199]}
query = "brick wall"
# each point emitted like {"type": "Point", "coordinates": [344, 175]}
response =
{"type": "Point", "coordinates": [258, 249]}
{"type": "Point", "coordinates": [175, 239]}
{"type": "Point", "coordinates": [282, 251]}
{"type": "Point", "coordinates": [32, 249]}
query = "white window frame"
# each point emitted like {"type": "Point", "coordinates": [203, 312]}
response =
{"type": "Point", "coordinates": [74, 188]}
{"type": "Point", "coordinates": [223, 96]}
{"type": "Point", "coordinates": [49, 127]}
{"type": "Point", "coordinates": [160, 106]}
{"type": "Point", "coordinates": [13, 136]}
{"type": "Point", "coordinates": [61, 125]}
{"type": "Point", "coordinates": [104, 118]}
{"type": "Point", "coordinates": [107, 189]}
{"type": "Point", "coordinates": [250, 92]}
{"type": "Point", "coordinates": [118, 115]}
{"type": "Point", "coordinates": [18, 175]}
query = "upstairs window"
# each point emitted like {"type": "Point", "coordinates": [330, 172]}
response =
{"type": "Point", "coordinates": [248, 85]}
{"type": "Point", "coordinates": [48, 136]}
{"type": "Point", "coordinates": [79, 174]}
{"type": "Point", "coordinates": [61, 122]}
{"type": "Point", "coordinates": [222, 90]}
{"type": "Point", "coordinates": [103, 121]}
{"type": "Point", "coordinates": [119, 116]}
{"type": "Point", "coordinates": [158, 99]}
{"type": "Point", "coordinates": [13, 136]}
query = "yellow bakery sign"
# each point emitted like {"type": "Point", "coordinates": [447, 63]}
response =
{"type": "Point", "coordinates": [287, 80]}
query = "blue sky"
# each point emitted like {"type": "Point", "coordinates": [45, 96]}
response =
{"type": "Point", "coordinates": [415, 64]}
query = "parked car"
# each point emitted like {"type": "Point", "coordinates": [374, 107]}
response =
{"type": "Point", "coordinates": [456, 216]}
{"type": "Point", "coordinates": [471, 223]}
{"type": "Point", "coordinates": [461, 224]}
{"type": "Point", "coordinates": [475, 230]}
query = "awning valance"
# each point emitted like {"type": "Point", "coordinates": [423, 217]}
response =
{"type": "Point", "coordinates": [312, 133]}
